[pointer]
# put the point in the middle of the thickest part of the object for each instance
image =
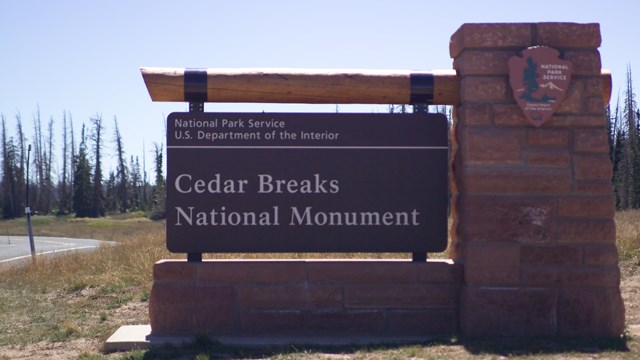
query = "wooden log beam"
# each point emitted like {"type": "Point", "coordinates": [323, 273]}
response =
{"type": "Point", "coordinates": [311, 86]}
{"type": "Point", "coordinates": [301, 86]}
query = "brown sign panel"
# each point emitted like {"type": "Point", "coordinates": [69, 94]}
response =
{"type": "Point", "coordinates": [539, 80]}
{"type": "Point", "coordinates": [239, 182]}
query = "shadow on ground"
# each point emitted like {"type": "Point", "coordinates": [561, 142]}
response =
{"type": "Point", "coordinates": [546, 345]}
{"type": "Point", "coordinates": [210, 349]}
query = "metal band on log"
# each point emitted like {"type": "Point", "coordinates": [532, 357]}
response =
{"type": "Point", "coordinates": [312, 86]}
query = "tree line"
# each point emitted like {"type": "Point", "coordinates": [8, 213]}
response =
{"type": "Point", "coordinates": [623, 122]}
{"type": "Point", "coordinates": [78, 187]}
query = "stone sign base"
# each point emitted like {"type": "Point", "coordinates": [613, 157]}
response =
{"type": "Point", "coordinates": [384, 298]}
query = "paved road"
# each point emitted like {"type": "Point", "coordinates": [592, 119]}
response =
{"type": "Point", "coordinates": [14, 248]}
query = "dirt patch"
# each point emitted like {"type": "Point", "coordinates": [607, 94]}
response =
{"type": "Point", "coordinates": [133, 313]}
{"type": "Point", "coordinates": [52, 351]}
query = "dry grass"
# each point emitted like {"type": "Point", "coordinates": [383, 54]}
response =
{"type": "Point", "coordinates": [628, 235]}
{"type": "Point", "coordinates": [85, 297]}
{"type": "Point", "coordinates": [628, 241]}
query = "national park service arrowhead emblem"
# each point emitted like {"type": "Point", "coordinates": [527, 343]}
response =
{"type": "Point", "coordinates": [539, 79]}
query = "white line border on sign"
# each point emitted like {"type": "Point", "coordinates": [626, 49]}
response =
{"type": "Point", "coordinates": [311, 147]}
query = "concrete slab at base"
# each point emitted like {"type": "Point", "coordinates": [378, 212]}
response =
{"type": "Point", "coordinates": [128, 338]}
{"type": "Point", "coordinates": [131, 337]}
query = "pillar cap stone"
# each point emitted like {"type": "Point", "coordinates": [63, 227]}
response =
{"type": "Point", "coordinates": [523, 35]}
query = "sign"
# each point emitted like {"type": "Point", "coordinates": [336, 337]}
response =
{"type": "Point", "coordinates": [539, 80]}
{"type": "Point", "coordinates": [289, 182]}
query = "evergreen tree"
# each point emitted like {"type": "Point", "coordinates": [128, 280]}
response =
{"type": "Point", "coordinates": [611, 131]}
{"type": "Point", "coordinates": [63, 187]}
{"type": "Point", "coordinates": [630, 168]}
{"type": "Point", "coordinates": [134, 184]}
{"type": "Point", "coordinates": [111, 202]}
{"type": "Point", "coordinates": [614, 137]}
{"type": "Point", "coordinates": [82, 186]}
{"type": "Point", "coordinates": [621, 191]}
{"type": "Point", "coordinates": [146, 204]}
{"type": "Point", "coordinates": [158, 211]}
{"type": "Point", "coordinates": [4, 194]}
{"type": "Point", "coordinates": [9, 186]}
{"type": "Point", "coordinates": [12, 181]}
{"type": "Point", "coordinates": [636, 162]}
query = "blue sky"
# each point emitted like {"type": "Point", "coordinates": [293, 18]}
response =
{"type": "Point", "coordinates": [84, 57]}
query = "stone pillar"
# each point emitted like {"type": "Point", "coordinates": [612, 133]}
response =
{"type": "Point", "coordinates": [532, 207]}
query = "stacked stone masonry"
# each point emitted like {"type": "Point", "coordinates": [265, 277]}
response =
{"type": "Point", "coordinates": [533, 207]}
{"type": "Point", "coordinates": [305, 298]}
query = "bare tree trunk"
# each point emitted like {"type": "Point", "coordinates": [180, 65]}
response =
{"type": "Point", "coordinates": [36, 191]}
{"type": "Point", "coordinates": [64, 194]}
{"type": "Point", "coordinates": [72, 162]}
{"type": "Point", "coordinates": [48, 168]}
{"type": "Point", "coordinates": [21, 164]}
